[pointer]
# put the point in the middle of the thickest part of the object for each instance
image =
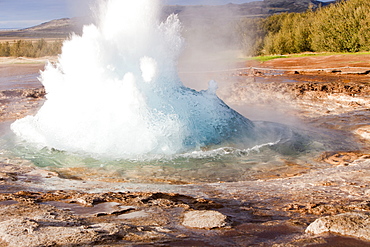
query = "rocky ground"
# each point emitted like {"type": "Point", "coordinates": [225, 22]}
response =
{"type": "Point", "coordinates": [322, 91]}
{"type": "Point", "coordinates": [318, 207]}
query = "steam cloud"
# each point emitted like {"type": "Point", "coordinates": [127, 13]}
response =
{"type": "Point", "coordinates": [115, 92]}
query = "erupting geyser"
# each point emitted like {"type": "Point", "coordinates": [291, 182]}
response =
{"type": "Point", "coordinates": [115, 92]}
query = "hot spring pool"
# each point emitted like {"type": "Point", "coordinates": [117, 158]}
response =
{"type": "Point", "coordinates": [291, 156]}
{"type": "Point", "coordinates": [116, 108]}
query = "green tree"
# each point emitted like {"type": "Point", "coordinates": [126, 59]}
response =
{"type": "Point", "coordinates": [340, 27]}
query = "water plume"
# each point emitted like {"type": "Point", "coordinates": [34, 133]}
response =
{"type": "Point", "coordinates": [115, 92]}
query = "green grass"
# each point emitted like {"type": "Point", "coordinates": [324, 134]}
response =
{"type": "Point", "coordinates": [271, 57]}
{"type": "Point", "coordinates": [266, 58]}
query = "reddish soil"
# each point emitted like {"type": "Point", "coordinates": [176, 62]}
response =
{"type": "Point", "coordinates": [320, 62]}
{"type": "Point", "coordinates": [19, 69]}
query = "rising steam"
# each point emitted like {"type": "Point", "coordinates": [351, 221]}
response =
{"type": "Point", "coordinates": [115, 92]}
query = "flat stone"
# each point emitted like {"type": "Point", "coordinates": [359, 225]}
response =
{"type": "Point", "coordinates": [204, 219]}
{"type": "Point", "coordinates": [133, 215]}
{"type": "Point", "coordinates": [348, 224]}
{"type": "Point", "coordinates": [101, 209]}
{"type": "Point", "coordinates": [28, 232]}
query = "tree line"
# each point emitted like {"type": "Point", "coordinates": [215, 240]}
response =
{"type": "Point", "coordinates": [340, 27]}
{"type": "Point", "coordinates": [27, 48]}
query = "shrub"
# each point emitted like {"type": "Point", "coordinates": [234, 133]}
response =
{"type": "Point", "coordinates": [24, 48]}
{"type": "Point", "coordinates": [340, 27]}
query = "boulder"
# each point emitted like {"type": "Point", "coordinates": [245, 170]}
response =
{"type": "Point", "coordinates": [204, 219]}
{"type": "Point", "coordinates": [21, 232]}
{"type": "Point", "coordinates": [348, 224]}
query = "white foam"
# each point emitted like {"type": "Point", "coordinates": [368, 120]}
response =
{"type": "Point", "coordinates": [115, 92]}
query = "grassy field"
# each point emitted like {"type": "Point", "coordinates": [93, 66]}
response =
{"type": "Point", "coordinates": [271, 57]}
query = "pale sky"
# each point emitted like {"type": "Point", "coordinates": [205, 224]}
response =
{"type": "Point", "coordinates": [28, 13]}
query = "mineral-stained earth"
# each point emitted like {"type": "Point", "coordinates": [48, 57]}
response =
{"type": "Point", "coordinates": [315, 205]}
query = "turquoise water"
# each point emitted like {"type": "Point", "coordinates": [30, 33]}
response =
{"type": "Point", "coordinates": [222, 163]}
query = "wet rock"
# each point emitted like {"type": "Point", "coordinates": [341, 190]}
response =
{"type": "Point", "coordinates": [134, 215]}
{"type": "Point", "coordinates": [29, 232]}
{"type": "Point", "coordinates": [310, 99]}
{"type": "Point", "coordinates": [44, 225]}
{"type": "Point", "coordinates": [340, 158]}
{"type": "Point", "coordinates": [356, 72]}
{"type": "Point", "coordinates": [109, 208]}
{"type": "Point", "coordinates": [144, 234]}
{"type": "Point", "coordinates": [101, 209]}
{"type": "Point", "coordinates": [317, 209]}
{"type": "Point", "coordinates": [4, 176]}
{"type": "Point", "coordinates": [348, 224]}
{"type": "Point", "coordinates": [205, 219]}
{"type": "Point", "coordinates": [26, 92]}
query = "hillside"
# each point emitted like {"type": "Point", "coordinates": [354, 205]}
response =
{"type": "Point", "coordinates": [189, 15]}
{"type": "Point", "coordinates": [251, 9]}
{"type": "Point", "coordinates": [60, 28]}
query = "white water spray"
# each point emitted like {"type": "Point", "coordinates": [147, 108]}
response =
{"type": "Point", "coordinates": [115, 92]}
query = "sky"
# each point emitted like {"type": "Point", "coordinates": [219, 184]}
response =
{"type": "Point", "coordinates": [27, 13]}
{"type": "Point", "coordinates": [22, 13]}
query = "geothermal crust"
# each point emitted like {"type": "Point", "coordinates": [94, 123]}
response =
{"type": "Point", "coordinates": [297, 206]}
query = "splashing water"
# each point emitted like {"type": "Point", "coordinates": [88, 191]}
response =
{"type": "Point", "coordinates": [116, 108]}
{"type": "Point", "coordinates": [115, 92]}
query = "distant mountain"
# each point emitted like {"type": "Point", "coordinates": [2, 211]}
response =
{"type": "Point", "coordinates": [276, 6]}
{"type": "Point", "coordinates": [250, 9]}
{"type": "Point", "coordinates": [60, 28]}
{"type": "Point", "coordinates": [60, 25]}
{"type": "Point", "coordinates": [189, 15]}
